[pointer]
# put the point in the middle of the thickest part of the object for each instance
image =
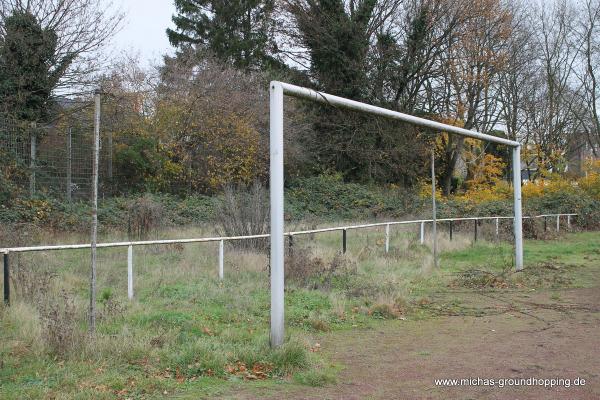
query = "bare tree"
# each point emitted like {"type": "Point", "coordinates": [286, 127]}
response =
{"type": "Point", "coordinates": [551, 117]}
{"type": "Point", "coordinates": [517, 81]}
{"type": "Point", "coordinates": [472, 67]}
{"type": "Point", "coordinates": [83, 27]}
{"type": "Point", "coordinates": [588, 33]}
{"type": "Point", "coordinates": [424, 34]}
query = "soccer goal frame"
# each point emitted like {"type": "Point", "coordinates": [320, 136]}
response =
{"type": "Point", "coordinates": [277, 92]}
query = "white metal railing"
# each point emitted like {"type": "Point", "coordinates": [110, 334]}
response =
{"type": "Point", "coordinates": [222, 240]}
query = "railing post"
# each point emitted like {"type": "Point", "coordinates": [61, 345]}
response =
{"type": "Point", "coordinates": [475, 229]}
{"type": "Point", "coordinates": [344, 237]}
{"type": "Point", "coordinates": [451, 229]}
{"type": "Point", "coordinates": [558, 223]}
{"type": "Point", "coordinates": [497, 228]}
{"type": "Point", "coordinates": [568, 222]}
{"type": "Point", "coordinates": [291, 245]}
{"type": "Point", "coordinates": [422, 232]}
{"type": "Point", "coordinates": [130, 272]}
{"type": "Point", "coordinates": [545, 224]}
{"type": "Point", "coordinates": [6, 280]}
{"type": "Point", "coordinates": [221, 258]}
{"type": "Point", "coordinates": [387, 238]}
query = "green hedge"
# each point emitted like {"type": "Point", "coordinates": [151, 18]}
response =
{"type": "Point", "coordinates": [325, 199]}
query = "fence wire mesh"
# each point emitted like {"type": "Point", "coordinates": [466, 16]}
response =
{"type": "Point", "coordinates": [55, 158]}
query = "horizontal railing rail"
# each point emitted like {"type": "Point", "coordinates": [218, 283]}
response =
{"type": "Point", "coordinates": [221, 240]}
{"type": "Point", "coordinates": [266, 235]}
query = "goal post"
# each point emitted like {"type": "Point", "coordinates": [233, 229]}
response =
{"type": "Point", "coordinates": [277, 92]}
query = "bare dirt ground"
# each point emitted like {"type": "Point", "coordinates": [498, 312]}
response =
{"type": "Point", "coordinates": [535, 334]}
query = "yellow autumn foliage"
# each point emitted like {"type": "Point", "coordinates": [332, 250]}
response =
{"type": "Point", "coordinates": [555, 183]}
{"type": "Point", "coordinates": [210, 148]}
{"type": "Point", "coordinates": [591, 182]}
{"type": "Point", "coordinates": [424, 188]}
{"type": "Point", "coordinates": [500, 190]}
{"type": "Point", "coordinates": [485, 183]}
{"type": "Point", "coordinates": [552, 184]}
{"type": "Point", "coordinates": [234, 155]}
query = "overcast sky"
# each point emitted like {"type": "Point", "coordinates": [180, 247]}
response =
{"type": "Point", "coordinates": [144, 29]}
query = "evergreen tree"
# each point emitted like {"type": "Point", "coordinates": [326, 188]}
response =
{"type": "Point", "coordinates": [337, 39]}
{"type": "Point", "coordinates": [29, 70]}
{"type": "Point", "coordinates": [236, 31]}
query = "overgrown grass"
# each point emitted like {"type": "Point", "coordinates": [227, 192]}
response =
{"type": "Point", "coordinates": [187, 332]}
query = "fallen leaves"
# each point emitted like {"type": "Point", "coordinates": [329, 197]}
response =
{"type": "Point", "coordinates": [258, 371]}
{"type": "Point", "coordinates": [178, 376]}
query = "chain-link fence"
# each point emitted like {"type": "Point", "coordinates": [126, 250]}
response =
{"type": "Point", "coordinates": [55, 159]}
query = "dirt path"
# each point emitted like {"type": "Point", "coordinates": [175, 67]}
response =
{"type": "Point", "coordinates": [523, 335]}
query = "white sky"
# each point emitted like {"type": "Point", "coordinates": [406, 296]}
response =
{"type": "Point", "coordinates": [143, 31]}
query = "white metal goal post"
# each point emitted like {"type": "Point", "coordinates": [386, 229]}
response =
{"type": "Point", "coordinates": [277, 92]}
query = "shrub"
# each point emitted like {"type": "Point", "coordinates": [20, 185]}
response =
{"type": "Point", "coordinates": [304, 269]}
{"type": "Point", "coordinates": [329, 196]}
{"type": "Point", "coordinates": [384, 311]}
{"type": "Point", "coordinates": [244, 212]}
{"type": "Point", "coordinates": [139, 163]}
{"type": "Point", "coordinates": [59, 324]}
{"type": "Point", "coordinates": [32, 283]}
{"type": "Point", "coordinates": [301, 267]}
{"type": "Point", "coordinates": [590, 184]}
{"type": "Point", "coordinates": [144, 216]}
{"type": "Point", "coordinates": [12, 176]}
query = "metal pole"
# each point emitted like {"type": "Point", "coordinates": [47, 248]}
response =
{"type": "Point", "coordinates": [290, 245]}
{"type": "Point", "coordinates": [451, 229]}
{"type": "Point", "coordinates": [221, 258]}
{"type": "Point", "coordinates": [387, 238]}
{"type": "Point", "coordinates": [422, 232]}
{"type": "Point", "coordinates": [434, 209]}
{"type": "Point", "coordinates": [545, 224]}
{"type": "Point", "coordinates": [558, 223]}
{"type": "Point", "coordinates": [277, 239]}
{"type": "Point", "coordinates": [475, 229]}
{"type": "Point", "coordinates": [92, 311]}
{"type": "Point", "coordinates": [344, 237]}
{"type": "Point", "coordinates": [130, 272]}
{"type": "Point", "coordinates": [110, 155]}
{"type": "Point", "coordinates": [69, 163]}
{"type": "Point", "coordinates": [32, 160]}
{"type": "Point", "coordinates": [497, 228]}
{"type": "Point", "coordinates": [341, 102]}
{"type": "Point", "coordinates": [6, 280]}
{"type": "Point", "coordinates": [518, 224]}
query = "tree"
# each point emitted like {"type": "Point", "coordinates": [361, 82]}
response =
{"type": "Point", "coordinates": [82, 28]}
{"type": "Point", "coordinates": [589, 35]}
{"type": "Point", "coordinates": [213, 121]}
{"type": "Point", "coordinates": [410, 52]}
{"type": "Point", "coordinates": [350, 52]}
{"type": "Point", "coordinates": [337, 39]}
{"type": "Point", "coordinates": [551, 108]}
{"type": "Point", "coordinates": [472, 66]}
{"type": "Point", "coordinates": [28, 68]}
{"type": "Point", "coordinates": [517, 83]}
{"type": "Point", "coordinates": [237, 32]}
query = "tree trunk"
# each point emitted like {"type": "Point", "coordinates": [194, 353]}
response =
{"type": "Point", "coordinates": [451, 160]}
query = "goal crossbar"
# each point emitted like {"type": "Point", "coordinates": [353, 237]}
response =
{"type": "Point", "coordinates": [277, 92]}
